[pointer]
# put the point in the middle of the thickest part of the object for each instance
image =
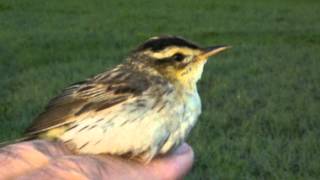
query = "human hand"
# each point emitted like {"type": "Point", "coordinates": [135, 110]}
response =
{"type": "Point", "coordinates": [40, 159]}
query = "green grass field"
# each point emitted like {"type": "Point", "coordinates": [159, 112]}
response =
{"type": "Point", "coordinates": [261, 100]}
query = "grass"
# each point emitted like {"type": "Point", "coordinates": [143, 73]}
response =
{"type": "Point", "coordinates": [261, 100]}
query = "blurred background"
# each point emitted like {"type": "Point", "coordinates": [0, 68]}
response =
{"type": "Point", "coordinates": [261, 99]}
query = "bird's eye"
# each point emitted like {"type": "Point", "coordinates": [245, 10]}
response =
{"type": "Point", "coordinates": [178, 57]}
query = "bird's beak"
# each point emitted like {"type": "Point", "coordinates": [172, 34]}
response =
{"type": "Point", "coordinates": [211, 51]}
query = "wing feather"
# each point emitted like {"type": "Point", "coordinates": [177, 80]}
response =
{"type": "Point", "coordinates": [100, 92]}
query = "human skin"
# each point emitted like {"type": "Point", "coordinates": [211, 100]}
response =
{"type": "Point", "coordinates": [41, 159]}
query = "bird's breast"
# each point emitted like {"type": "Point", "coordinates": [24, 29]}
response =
{"type": "Point", "coordinates": [182, 121]}
{"type": "Point", "coordinates": [192, 109]}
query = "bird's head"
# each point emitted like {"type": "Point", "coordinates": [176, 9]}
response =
{"type": "Point", "coordinates": [175, 58]}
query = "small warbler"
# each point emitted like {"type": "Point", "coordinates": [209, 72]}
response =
{"type": "Point", "coordinates": [143, 107]}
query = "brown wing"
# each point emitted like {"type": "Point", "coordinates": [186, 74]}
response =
{"type": "Point", "coordinates": [101, 92]}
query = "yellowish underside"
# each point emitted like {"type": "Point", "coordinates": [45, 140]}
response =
{"type": "Point", "coordinates": [53, 133]}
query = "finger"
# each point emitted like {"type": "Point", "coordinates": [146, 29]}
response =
{"type": "Point", "coordinates": [175, 165]}
{"type": "Point", "coordinates": [90, 167]}
{"type": "Point", "coordinates": [76, 167]}
{"type": "Point", "coordinates": [17, 159]}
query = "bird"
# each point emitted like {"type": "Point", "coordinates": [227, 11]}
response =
{"type": "Point", "coordinates": [142, 108]}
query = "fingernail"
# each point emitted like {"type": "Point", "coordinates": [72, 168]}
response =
{"type": "Point", "coordinates": [184, 148]}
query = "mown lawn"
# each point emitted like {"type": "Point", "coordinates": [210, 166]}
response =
{"type": "Point", "coordinates": [261, 100]}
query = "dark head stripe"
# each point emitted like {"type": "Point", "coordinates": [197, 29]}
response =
{"type": "Point", "coordinates": [161, 43]}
